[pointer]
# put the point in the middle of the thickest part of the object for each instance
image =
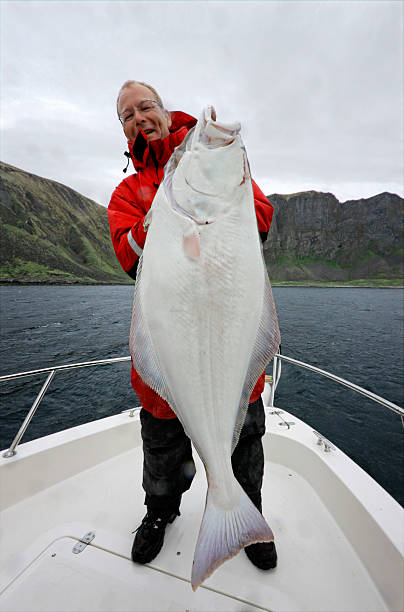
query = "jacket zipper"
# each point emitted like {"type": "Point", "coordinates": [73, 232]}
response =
{"type": "Point", "coordinates": [153, 156]}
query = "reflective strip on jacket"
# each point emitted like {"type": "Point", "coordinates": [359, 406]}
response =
{"type": "Point", "coordinates": [127, 209]}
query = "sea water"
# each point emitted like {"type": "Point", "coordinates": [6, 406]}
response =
{"type": "Point", "coordinates": [356, 333]}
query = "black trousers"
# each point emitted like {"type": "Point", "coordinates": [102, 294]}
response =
{"type": "Point", "coordinates": [168, 466]}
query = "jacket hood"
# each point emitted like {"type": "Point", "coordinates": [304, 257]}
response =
{"type": "Point", "coordinates": [141, 149]}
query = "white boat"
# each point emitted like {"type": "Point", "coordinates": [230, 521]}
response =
{"type": "Point", "coordinates": [71, 501]}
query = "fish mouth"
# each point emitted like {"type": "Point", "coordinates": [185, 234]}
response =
{"type": "Point", "coordinates": [215, 134]}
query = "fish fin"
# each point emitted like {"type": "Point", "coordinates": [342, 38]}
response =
{"type": "Point", "coordinates": [266, 345]}
{"type": "Point", "coordinates": [144, 356]}
{"type": "Point", "coordinates": [224, 533]}
{"type": "Point", "coordinates": [192, 244]}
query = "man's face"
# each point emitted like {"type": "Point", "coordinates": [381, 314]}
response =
{"type": "Point", "coordinates": [154, 120]}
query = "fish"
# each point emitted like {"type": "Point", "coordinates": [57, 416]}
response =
{"type": "Point", "coordinates": [204, 323]}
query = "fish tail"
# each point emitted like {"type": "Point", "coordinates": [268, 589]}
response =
{"type": "Point", "coordinates": [224, 533]}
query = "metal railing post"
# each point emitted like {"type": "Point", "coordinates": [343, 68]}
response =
{"type": "Point", "coordinates": [274, 374]}
{"type": "Point", "coordinates": [51, 371]}
{"type": "Point", "coordinates": [11, 451]}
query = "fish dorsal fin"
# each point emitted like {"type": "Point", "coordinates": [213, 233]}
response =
{"type": "Point", "coordinates": [144, 357]}
{"type": "Point", "coordinates": [266, 345]}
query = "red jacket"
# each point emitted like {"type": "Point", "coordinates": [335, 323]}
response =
{"type": "Point", "coordinates": [127, 209]}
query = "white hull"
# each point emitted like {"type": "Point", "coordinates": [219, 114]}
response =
{"type": "Point", "coordinates": [339, 535]}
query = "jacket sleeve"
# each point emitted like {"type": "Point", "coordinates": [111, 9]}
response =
{"type": "Point", "coordinates": [264, 211]}
{"type": "Point", "coordinates": [126, 218]}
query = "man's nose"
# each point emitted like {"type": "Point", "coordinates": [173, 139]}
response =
{"type": "Point", "coordinates": [139, 117]}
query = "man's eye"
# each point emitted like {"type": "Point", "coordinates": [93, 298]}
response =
{"type": "Point", "coordinates": [127, 117]}
{"type": "Point", "coordinates": [146, 107]}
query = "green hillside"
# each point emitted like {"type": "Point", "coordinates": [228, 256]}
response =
{"type": "Point", "coordinates": [51, 232]}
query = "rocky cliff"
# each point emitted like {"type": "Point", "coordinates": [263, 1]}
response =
{"type": "Point", "coordinates": [314, 237]}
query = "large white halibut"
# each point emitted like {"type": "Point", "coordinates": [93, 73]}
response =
{"type": "Point", "coordinates": [204, 324]}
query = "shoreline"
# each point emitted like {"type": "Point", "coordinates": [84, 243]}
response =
{"type": "Point", "coordinates": [312, 284]}
{"type": "Point", "coordinates": [66, 283]}
{"type": "Point", "coordinates": [331, 286]}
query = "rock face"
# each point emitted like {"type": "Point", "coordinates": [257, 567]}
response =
{"type": "Point", "coordinates": [314, 237]}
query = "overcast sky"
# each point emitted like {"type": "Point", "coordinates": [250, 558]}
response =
{"type": "Point", "coordinates": [316, 85]}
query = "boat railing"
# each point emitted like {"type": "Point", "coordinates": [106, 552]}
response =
{"type": "Point", "coordinates": [342, 381]}
{"type": "Point", "coordinates": [274, 380]}
{"type": "Point", "coordinates": [51, 373]}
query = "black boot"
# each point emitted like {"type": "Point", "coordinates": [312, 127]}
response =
{"type": "Point", "coordinates": [150, 536]}
{"type": "Point", "coordinates": [263, 554]}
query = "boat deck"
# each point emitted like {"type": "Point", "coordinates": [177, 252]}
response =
{"type": "Point", "coordinates": [318, 568]}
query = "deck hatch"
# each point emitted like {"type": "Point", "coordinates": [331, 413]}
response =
{"type": "Point", "coordinates": [56, 581]}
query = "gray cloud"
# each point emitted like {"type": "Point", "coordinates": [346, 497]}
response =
{"type": "Point", "coordinates": [316, 85]}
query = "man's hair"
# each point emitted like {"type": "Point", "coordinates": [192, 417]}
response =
{"type": "Point", "coordinates": [129, 83]}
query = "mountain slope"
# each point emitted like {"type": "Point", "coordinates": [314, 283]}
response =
{"type": "Point", "coordinates": [49, 231]}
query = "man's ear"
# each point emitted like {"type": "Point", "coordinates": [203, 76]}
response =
{"type": "Point", "coordinates": [169, 120]}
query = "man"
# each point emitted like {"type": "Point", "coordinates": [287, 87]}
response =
{"type": "Point", "coordinates": [152, 133]}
